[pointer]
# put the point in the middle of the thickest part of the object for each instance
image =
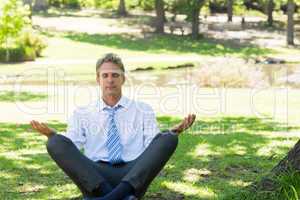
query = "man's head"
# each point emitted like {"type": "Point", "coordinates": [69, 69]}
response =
{"type": "Point", "coordinates": [110, 74]}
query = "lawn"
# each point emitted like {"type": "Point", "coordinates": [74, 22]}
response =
{"type": "Point", "coordinates": [11, 96]}
{"type": "Point", "coordinates": [76, 53]}
{"type": "Point", "coordinates": [215, 159]}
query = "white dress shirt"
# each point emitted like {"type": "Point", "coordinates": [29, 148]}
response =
{"type": "Point", "coordinates": [135, 121]}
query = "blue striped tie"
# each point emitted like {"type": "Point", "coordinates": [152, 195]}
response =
{"type": "Point", "coordinates": [113, 142]}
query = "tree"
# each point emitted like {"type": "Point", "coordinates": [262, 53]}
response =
{"type": "Point", "coordinates": [270, 9]}
{"type": "Point", "coordinates": [13, 18]}
{"type": "Point", "coordinates": [290, 163]}
{"type": "Point", "coordinates": [290, 22]}
{"type": "Point", "coordinates": [195, 7]}
{"type": "Point", "coordinates": [160, 15]}
{"type": "Point", "coordinates": [265, 6]}
{"type": "Point", "coordinates": [122, 9]}
{"type": "Point", "coordinates": [40, 5]}
{"type": "Point", "coordinates": [191, 8]}
{"type": "Point", "coordinates": [229, 10]}
{"type": "Point", "coordinates": [29, 3]}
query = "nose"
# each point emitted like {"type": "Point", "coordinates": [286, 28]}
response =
{"type": "Point", "coordinates": [110, 78]}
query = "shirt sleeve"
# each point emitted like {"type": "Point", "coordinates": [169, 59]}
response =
{"type": "Point", "coordinates": [150, 126]}
{"type": "Point", "coordinates": [75, 131]}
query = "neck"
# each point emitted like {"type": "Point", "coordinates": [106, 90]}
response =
{"type": "Point", "coordinates": [111, 100]}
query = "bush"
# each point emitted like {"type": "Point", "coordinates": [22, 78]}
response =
{"type": "Point", "coordinates": [55, 3]}
{"type": "Point", "coordinates": [28, 46]}
{"type": "Point", "coordinates": [31, 39]}
{"type": "Point", "coordinates": [87, 3]}
{"type": "Point", "coordinates": [29, 54]}
{"type": "Point", "coordinates": [71, 4]}
{"type": "Point", "coordinates": [146, 4]}
{"type": "Point", "coordinates": [16, 54]}
{"type": "Point", "coordinates": [112, 4]}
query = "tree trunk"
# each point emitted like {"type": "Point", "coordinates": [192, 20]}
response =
{"type": "Point", "coordinates": [122, 9]}
{"type": "Point", "coordinates": [229, 10]}
{"type": "Point", "coordinates": [270, 9]}
{"type": "Point", "coordinates": [290, 25]}
{"type": "Point", "coordinates": [7, 57]}
{"type": "Point", "coordinates": [195, 22]}
{"type": "Point", "coordinates": [290, 162]}
{"type": "Point", "coordinates": [160, 16]}
{"type": "Point", "coordinates": [40, 5]}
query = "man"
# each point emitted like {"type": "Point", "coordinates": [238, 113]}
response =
{"type": "Point", "coordinates": [123, 149]}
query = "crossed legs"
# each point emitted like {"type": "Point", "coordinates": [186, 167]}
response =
{"type": "Point", "coordinates": [89, 175]}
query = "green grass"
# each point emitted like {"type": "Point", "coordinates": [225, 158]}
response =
{"type": "Point", "coordinates": [170, 43]}
{"type": "Point", "coordinates": [217, 158]}
{"type": "Point", "coordinates": [81, 51]}
{"type": "Point", "coordinates": [10, 96]}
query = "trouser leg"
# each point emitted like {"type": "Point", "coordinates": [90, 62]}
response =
{"type": "Point", "coordinates": [151, 161]}
{"type": "Point", "coordinates": [84, 172]}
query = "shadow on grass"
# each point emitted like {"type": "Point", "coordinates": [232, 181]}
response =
{"type": "Point", "coordinates": [161, 43]}
{"type": "Point", "coordinates": [11, 96]}
{"type": "Point", "coordinates": [210, 162]}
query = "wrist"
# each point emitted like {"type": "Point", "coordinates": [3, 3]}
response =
{"type": "Point", "coordinates": [174, 132]}
{"type": "Point", "coordinates": [52, 133]}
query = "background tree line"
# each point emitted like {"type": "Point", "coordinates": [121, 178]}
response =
{"type": "Point", "coordinates": [191, 8]}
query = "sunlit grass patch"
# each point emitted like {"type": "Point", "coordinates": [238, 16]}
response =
{"type": "Point", "coordinates": [12, 96]}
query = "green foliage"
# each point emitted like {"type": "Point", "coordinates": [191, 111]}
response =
{"type": "Point", "coordinates": [146, 4]}
{"type": "Point", "coordinates": [27, 47]}
{"type": "Point", "coordinates": [32, 40]}
{"type": "Point", "coordinates": [13, 18]}
{"type": "Point", "coordinates": [289, 185]}
{"type": "Point", "coordinates": [185, 6]}
{"type": "Point", "coordinates": [136, 4]}
{"type": "Point", "coordinates": [16, 42]}
{"type": "Point", "coordinates": [72, 4]}
{"type": "Point", "coordinates": [288, 189]}
{"type": "Point", "coordinates": [87, 3]}
{"type": "Point", "coordinates": [16, 54]}
{"type": "Point", "coordinates": [107, 4]}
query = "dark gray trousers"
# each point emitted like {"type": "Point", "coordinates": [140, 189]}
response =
{"type": "Point", "coordinates": [88, 175]}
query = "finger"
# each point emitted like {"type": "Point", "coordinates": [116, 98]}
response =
{"type": "Point", "coordinates": [33, 124]}
{"type": "Point", "coordinates": [39, 127]}
{"type": "Point", "coordinates": [191, 120]}
{"type": "Point", "coordinates": [46, 127]}
{"type": "Point", "coordinates": [193, 117]}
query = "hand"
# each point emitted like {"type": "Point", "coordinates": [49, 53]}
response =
{"type": "Point", "coordinates": [42, 128]}
{"type": "Point", "coordinates": [184, 124]}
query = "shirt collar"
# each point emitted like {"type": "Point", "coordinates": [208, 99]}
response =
{"type": "Point", "coordinates": [123, 102]}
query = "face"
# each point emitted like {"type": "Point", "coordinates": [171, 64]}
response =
{"type": "Point", "coordinates": [110, 78]}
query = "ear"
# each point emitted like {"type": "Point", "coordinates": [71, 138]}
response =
{"type": "Point", "coordinates": [98, 78]}
{"type": "Point", "coordinates": [124, 79]}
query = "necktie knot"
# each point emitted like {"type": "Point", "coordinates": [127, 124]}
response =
{"type": "Point", "coordinates": [112, 111]}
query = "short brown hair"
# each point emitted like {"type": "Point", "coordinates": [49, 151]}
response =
{"type": "Point", "coordinates": [110, 57]}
